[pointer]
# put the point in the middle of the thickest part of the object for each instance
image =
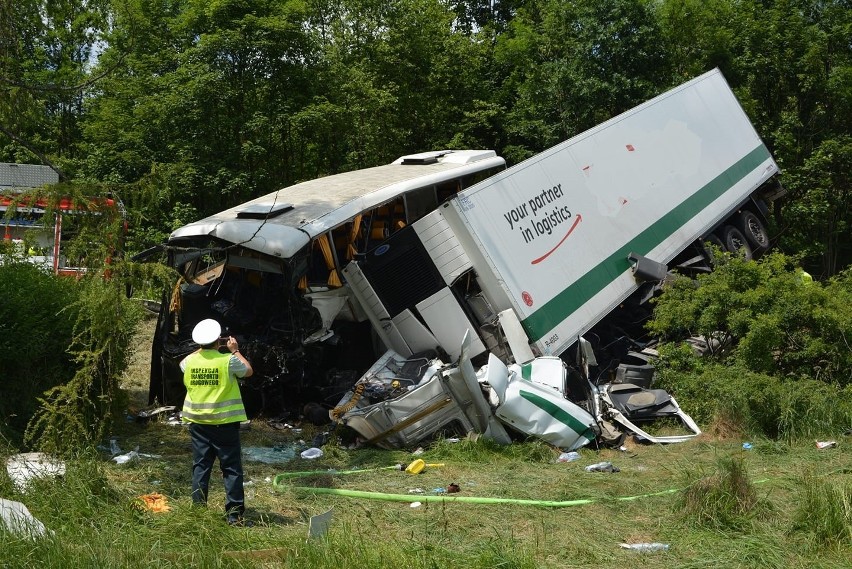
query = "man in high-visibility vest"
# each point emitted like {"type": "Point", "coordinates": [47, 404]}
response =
{"type": "Point", "coordinates": [214, 409]}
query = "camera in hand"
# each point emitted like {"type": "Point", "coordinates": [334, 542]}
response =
{"type": "Point", "coordinates": [223, 340]}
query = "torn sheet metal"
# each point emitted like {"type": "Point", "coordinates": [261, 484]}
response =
{"type": "Point", "coordinates": [451, 398]}
{"type": "Point", "coordinates": [628, 404]}
{"type": "Point", "coordinates": [318, 525]}
{"type": "Point", "coordinates": [533, 406]}
{"type": "Point", "coordinates": [403, 401]}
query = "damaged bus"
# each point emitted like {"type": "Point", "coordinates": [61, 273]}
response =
{"type": "Point", "coordinates": [269, 271]}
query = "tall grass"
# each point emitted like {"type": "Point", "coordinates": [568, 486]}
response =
{"type": "Point", "coordinates": [825, 510]}
{"type": "Point", "coordinates": [759, 404]}
{"type": "Point", "coordinates": [723, 500]}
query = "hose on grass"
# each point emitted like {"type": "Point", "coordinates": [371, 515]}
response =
{"type": "Point", "coordinates": [277, 485]}
{"type": "Point", "coordinates": [462, 499]}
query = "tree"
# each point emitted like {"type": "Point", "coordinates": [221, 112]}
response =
{"type": "Point", "coordinates": [699, 36]}
{"type": "Point", "coordinates": [201, 115]}
{"type": "Point", "coordinates": [574, 65]}
{"type": "Point", "coordinates": [45, 51]}
{"type": "Point", "coordinates": [820, 218]}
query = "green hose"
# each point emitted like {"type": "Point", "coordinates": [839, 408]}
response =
{"type": "Point", "coordinates": [463, 499]}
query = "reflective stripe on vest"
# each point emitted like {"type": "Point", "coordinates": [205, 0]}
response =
{"type": "Point", "coordinates": [212, 395]}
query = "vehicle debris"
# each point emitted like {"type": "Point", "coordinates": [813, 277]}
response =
{"type": "Point", "coordinates": [133, 455]}
{"type": "Point", "coordinates": [148, 414]}
{"type": "Point", "coordinates": [318, 525]}
{"type": "Point", "coordinates": [393, 407]}
{"type": "Point", "coordinates": [311, 453]}
{"type": "Point", "coordinates": [19, 521]}
{"type": "Point", "coordinates": [568, 456]}
{"type": "Point", "coordinates": [278, 454]}
{"type": "Point", "coordinates": [24, 467]}
{"type": "Point", "coordinates": [645, 546]}
{"type": "Point", "coordinates": [602, 467]}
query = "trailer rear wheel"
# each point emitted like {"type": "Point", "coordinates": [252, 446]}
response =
{"type": "Point", "coordinates": [735, 241]}
{"type": "Point", "coordinates": [715, 241]}
{"type": "Point", "coordinates": [754, 230]}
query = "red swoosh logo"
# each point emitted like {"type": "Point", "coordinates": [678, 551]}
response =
{"type": "Point", "coordinates": [561, 241]}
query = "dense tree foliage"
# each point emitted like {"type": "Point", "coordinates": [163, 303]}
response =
{"type": "Point", "coordinates": [190, 106]}
{"type": "Point", "coordinates": [779, 361]}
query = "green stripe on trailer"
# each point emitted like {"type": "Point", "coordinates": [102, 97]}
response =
{"type": "Point", "coordinates": [558, 413]}
{"type": "Point", "coordinates": [526, 371]}
{"type": "Point", "coordinates": [542, 321]}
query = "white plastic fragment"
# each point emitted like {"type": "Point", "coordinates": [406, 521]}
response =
{"type": "Point", "coordinates": [126, 457]}
{"type": "Point", "coordinates": [646, 546]}
{"type": "Point", "coordinates": [568, 456]}
{"type": "Point", "coordinates": [26, 466]}
{"type": "Point", "coordinates": [311, 453]}
{"type": "Point", "coordinates": [18, 520]}
{"type": "Point", "coordinates": [601, 467]}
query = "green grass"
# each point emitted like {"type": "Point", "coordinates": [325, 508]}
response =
{"type": "Point", "coordinates": [726, 517]}
{"type": "Point", "coordinates": [825, 511]}
{"type": "Point", "coordinates": [781, 504]}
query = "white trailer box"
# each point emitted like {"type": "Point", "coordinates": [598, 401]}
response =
{"type": "Point", "coordinates": [549, 239]}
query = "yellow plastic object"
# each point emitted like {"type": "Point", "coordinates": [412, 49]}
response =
{"type": "Point", "coordinates": [154, 502]}
{"type": "Point", "coordinates": [416, 467]}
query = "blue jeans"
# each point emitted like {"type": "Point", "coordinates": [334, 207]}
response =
{"type": "Point", "coordinates": [208, 443]}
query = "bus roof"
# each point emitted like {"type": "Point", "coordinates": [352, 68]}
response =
{"type": "Point", "coordinates": [308, 209]}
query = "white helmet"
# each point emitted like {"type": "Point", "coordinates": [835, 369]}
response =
{"type": "Point", "coordinates": [206, 332]}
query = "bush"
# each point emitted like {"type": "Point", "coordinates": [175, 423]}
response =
{"type": "Point", "coordinates": [63, 347]}
{"type": "Point", "coordinates": [758, 403]}
{"type": "Point", "coordinates": [78, 412]}
{"type": "Point", "coordinates": [37, 319]}
{"type": "Point", "coordinates": [766, 319]}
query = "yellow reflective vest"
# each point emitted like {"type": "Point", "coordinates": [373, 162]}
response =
{"type": "Point", "coordinates": [212, 395]}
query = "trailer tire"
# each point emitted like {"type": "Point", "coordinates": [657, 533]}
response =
{"type": "Point", "coordinates": [715, 241]}
{"type": "Point", "coordinates": [735, 242]}
{"type": "Point", "coordinates": [754, 230]}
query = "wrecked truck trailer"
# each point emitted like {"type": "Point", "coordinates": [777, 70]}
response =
{"type": "Point", "coordinates": [269, 271]}
{"type": "Point", "coordinates": [575, 241]}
